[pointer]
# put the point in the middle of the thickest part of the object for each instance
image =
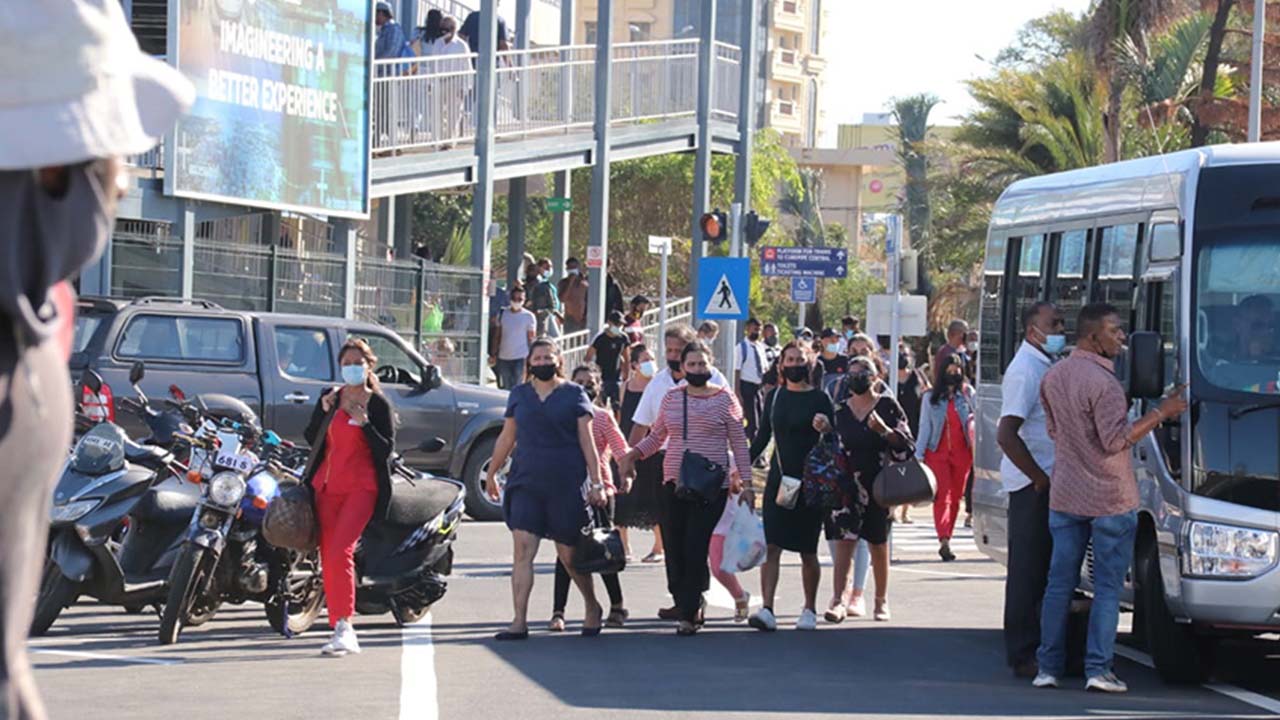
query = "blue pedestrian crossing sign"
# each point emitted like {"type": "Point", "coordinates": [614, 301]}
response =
{"type": "Point", "coordinates": [724, 289]}
{"type": "Point", "coordinates": [804, 290]}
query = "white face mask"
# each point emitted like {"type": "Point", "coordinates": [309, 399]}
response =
{"type": "Point", "coordinates": [973, 347]}
{"type": "Point", "coordinates": [353, 374]}
{"type": "Point", "coordinates": [572, 271]}
{"type": "Point", "coordinates": [517, 304]}
{"type": "Point", "coordinates": [648, 368]}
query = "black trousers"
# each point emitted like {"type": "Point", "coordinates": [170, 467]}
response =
{"type": "Point", "coordinates": [1030, 549]}
{"type": "Point", "coordinates": [749, 396]}
{"type": "Point", "coordinates": [35, 431]}
{"type": "Point", "coordinates": [686, 535]}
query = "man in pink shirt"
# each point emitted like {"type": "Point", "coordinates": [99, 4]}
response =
{"type": "Point", "coordinates": [1092, 493]}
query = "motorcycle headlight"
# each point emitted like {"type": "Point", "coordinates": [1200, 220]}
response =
{"type": "Point", "coordinates": [1228, 551]}
{"type": "Point", "coordinates": [71, 511]}
{"type": "Point", "coordinates": [226, 488]}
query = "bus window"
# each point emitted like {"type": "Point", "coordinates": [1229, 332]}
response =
{"type": "Point", "coordinates": [1028, 284]}
{"type": "Point", "coordinates": [1117, 248]}
{"type": "Point", "coordinates": [1069, 286]}
{"type": "Point", "coordinates": [992, 302]}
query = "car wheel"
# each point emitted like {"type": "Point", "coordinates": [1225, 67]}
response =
{"type": "Point", "coordinates": [479, 505]}
{"type": "Point", "coordinates": [1180, 655]}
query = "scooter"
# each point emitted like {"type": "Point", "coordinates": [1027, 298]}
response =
{"type": "Point", "coordinates": [116, 520]}
{"type": "Point", "coordinates": [403, 561]}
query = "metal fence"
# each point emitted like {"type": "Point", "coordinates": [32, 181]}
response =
{"type": "Point", "coordinates": [145, 260]}
{"type": "Point", "coordinates": [547, 90]}
{"type": "Point", "coordinates": [574, 345]}
{"type": "Point", "coordinates": [727, 84]}
{"type": "Point", "coordinates": [423, 102]}
{"type": "Point", "coordinates": [456, 8]}
{"type": "Point", "coordinates": [309, 283]}
{"type": "Point", "coordinates": [234, 275]}
{"type": "Point", "coordinates": [149, 163]}
{"type": "Point", "coordinates": [654, 80]}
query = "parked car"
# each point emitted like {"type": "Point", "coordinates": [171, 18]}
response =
{"type": "Point", "coordinates": [279, 364]}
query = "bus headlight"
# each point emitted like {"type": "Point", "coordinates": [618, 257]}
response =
{"type": "Point", "coordinates": [1215, 550]}
{"type": "Point", "coordinates": [226, 489]}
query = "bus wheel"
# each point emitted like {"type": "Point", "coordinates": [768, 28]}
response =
{"type": "Point", "coordinates": [1180, 655]}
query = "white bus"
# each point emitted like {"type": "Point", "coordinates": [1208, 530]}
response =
{"type": "Point", "coordinates": [1187, 246]}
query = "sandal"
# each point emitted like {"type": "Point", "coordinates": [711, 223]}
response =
{"type": "Point", "coordinates": [557, 622]}
{"type": "Point", "coordinates": [653, 558]}
{"type": "Point", "coordinates": [742, 608]}
{"type": "Point", "coordinates": [617, 617]}
{"type": "Point", "coordinates": [686, 629]}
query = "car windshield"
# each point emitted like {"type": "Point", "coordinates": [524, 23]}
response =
{"type": "Point", "coordinates": [1237, 299]}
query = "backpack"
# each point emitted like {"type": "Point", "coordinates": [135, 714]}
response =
{"type": "Point", "coordinates": [825, 469]}
{"type": "Point", "coordinates": [540, 298]}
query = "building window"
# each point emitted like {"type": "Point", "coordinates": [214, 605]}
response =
{"type": "Point", "coordinates": [591, 35]}
{"type": "Point", "coordinates": [641, 31]}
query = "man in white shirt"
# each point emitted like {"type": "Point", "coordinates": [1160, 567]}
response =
{"type": "Point", "coordinates": [517, 327]}
{"type": "Point", "coordinates": [646, 414]}
{"type": "Point", "coordinates": [751, 368]}
{"type": "Point", "coordinates": [1024, 472]}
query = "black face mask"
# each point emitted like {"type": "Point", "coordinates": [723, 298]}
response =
{"type": "Point", "coordinates": [860, 384]}
{"type": "Point", "coordinates": [753, 336]}
{"type": "Point", "coordinates": [543, 372]}
{"type": "Point", "coordinates": [904, 362]}
{"type": "Point", "coordinates": [771, 341]}
{"type": "Point", "coordinates": [796, 373]}
{"type": "Point", "coordinates": [698, 379]}
{"type": "Point", "coordinates": [674, 365]}
{"type": "Point", "coordinates": [591, 392]}
{"type": "Point", "coordinates": [952, 380]}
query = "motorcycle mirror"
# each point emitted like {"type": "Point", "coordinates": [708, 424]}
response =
{"type": "Point", "coordinates": [176, 393]}
{"type": "Point", "coordinates": [432, 445]}
{"type": "Point", "coordinates": [136, 372]}
{"type": "Point", "coordinates": [271, 438]}
{"type": "Point", "coordinates": [92, 380]}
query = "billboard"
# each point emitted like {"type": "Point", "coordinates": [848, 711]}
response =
{"type": "Point", "coordinates": [281, 113]}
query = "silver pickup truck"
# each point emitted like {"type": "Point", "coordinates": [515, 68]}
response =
{"type": "Point", "coordinates": [279, 364]}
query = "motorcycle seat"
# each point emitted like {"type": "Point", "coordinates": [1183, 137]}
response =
{"type": "Point", "coordinates": [152, 456]}
{"type": "Point", "coordinates": [417, 503]}
{"type": "Point", "coordinates": [168, 504]}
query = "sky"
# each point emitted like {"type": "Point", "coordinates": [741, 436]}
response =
{"type": "Point", "coordinates": [880, 50]}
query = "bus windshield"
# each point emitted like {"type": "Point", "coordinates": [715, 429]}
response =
{"type": "Point", "coordinates": [1237, 299]}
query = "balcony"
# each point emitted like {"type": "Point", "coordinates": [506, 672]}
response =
{"type": "Point", "coordinates": [787, 66]}
{"type": "Point", "coordinates": [784, 116]}
{"type": "Point", "coordinates": [790, 15]}
{"type": "Point", "coordinates": [814, 65]}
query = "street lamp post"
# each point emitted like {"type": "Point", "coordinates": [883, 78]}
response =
{"type": "Point", "coordinates": [1255, 70]}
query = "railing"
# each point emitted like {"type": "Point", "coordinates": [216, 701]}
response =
{"type": "Point", "coordinates": [545, 91]}
{"type": "Point", "coordinates": [728, 81]}
{"type": "Point", "coordinates": [456, 8]}
{"type": "Point", "coordinates": [654, 80]}
{"type": "Point", "coordinates": [574, 345]}
{"type": "Point", "coordinates": [423, 102]}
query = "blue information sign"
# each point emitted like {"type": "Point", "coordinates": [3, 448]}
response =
{"type": "Point", "coordinates": [807, 262]}
{"type": "Point", "coordinates": [804, 290]}
{"type": "Point", "coordinates": [724, 289]}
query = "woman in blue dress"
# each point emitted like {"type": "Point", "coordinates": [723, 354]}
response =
{"type": "Point", "coordinates": [548, 425]}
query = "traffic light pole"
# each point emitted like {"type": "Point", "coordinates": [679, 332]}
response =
{"type": "Point", "coordinates": [729, 334]}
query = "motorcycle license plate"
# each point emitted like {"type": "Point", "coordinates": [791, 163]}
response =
{"type": "Point", "coordinates": [243, 462]}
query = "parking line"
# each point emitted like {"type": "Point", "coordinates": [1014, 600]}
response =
{"type": "Point", "coordinates": [103, 656]}
{"type": "Point", "coordinates": [1247, 697]}
{"type": "Point", "coordinates": [418, 699]}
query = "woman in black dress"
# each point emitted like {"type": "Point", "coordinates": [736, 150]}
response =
{"type": "Point", "coordinates": [637, 503]}
{"type": "Point", "coordinates": [789, 418]}
{"type": "Point", "coordinates": [870, 425]}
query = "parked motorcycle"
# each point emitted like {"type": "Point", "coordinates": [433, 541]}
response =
{"type": "Point", "coordinates": [224, 557]}
{"type": "Point", "coordinates": [118, 511]}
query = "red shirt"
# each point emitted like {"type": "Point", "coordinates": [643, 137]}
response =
{"type": "Point", "coordinates": [954, 436]}
{"type": "Point", "coordinates": [348, 463]}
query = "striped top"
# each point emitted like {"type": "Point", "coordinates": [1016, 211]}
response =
{"type": "Point", "coordinates": [609, 442]}
{"type": "Point", "coordinates": [715, 429]}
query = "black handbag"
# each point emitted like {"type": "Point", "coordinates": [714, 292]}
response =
{"type": "Point", "coordinates": [700, 479]}
{"type": "Point", "coordinates": [904, 483]}
{"type": "Point", "coordinates": [599, 549]}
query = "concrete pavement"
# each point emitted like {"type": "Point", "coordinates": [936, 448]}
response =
{"type": "Point", "coordinates": [940, 656]}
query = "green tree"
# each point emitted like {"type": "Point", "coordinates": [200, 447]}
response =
{"type": "Point", "coordinates": [912, 117]}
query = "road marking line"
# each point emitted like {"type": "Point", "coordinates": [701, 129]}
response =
{"type": "Point", "coordinates": [945, 574]}
{"type": "Point", "coordinates": [103, 656]}
{"type": "Point", "coordinates": [418, 699]}
{"type": "Point", "coordinates": [718, 597]}
{"type": "Point", "coordinates": [1247, 697]}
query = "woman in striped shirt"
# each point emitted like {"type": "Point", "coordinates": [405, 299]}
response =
{"type": "Point", "coordinates": [609, 443]}
{"type": "Point", "coordinates": [714, 429]}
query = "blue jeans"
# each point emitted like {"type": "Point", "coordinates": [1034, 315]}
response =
{"type": "Point", "coordinates": [1112, 537]}
{"type": "Point", "coordinates": [510, 373]}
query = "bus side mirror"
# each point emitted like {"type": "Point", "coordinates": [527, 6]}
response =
{"type": "Point", "coordinates": [1146, 365]}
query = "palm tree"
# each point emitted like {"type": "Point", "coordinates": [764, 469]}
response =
{"type": "Point", "coordinates": [803, 203]}
{"type": "Point", "coordinates": [912, 117]}
{"type": "Point", "coordinates": [1212, 60]}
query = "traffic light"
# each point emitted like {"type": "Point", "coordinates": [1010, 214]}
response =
{"type": "Point", "coordinates": [715, 227]}
{"type": "Point", "coordinates": [753, 228]}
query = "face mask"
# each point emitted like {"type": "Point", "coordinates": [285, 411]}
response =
{"type": "Point", "coordinates": [517, 306]}
{"type": "Point", "coordinates": [543, 372]}
{"type": "Point", "coordinates": [572, 271]}
{"type": "Point", "coordinates": [771, 341]}
{"type": "Point", "coordinates": [833, 348]}
{"type": "Point", "coordinates": [953, 380]}
{"type": "Point", "coordinates": [904, 362]}
{"type": "Point", "coordinates": [612, 330]}
{"type": "Point", "coordinates": [753, 337]}
{"type": "Point", "coordinates": [796, 373]}
{"type": "Point", "coordinates": [353, 374]}
{"type": "Point", "coordinates": [860, 384]}
{"type": "Point", "coordinates": [973, 347]}
{"type": "Point", "coordinates": [648, 368]}
{"type": "Point", "coordinates": [1055, 344]}
{"type": "Point", "coordinates": [544, 276]}
{"type": "Point", "coordinates": [673, 365]}
{"type": "Point", "coordinates": [698, 379]}
{"type": "Point", "coordinates": [849, 334]}
{"type": "Point", "coordinates": [590, 390]}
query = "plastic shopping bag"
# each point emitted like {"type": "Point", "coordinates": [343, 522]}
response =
{"type": "Point", "coordinates": [744, 545]}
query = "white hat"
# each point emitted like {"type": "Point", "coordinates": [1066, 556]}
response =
{"type": "Point", "coordinates": [74, 85]}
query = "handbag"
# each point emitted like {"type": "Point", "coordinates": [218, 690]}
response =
{"type": "Point", "coordinates": [599, 549]}
{"type": "Point", "coordinates": [700, 479]}
{"type": "Point", "coordinates": [910, 482]}
{"type": "Point", "coordinates": [290, 521]}
{"type": "Point", "coordinates": [788, 487]}
{"type": "Point", "coordinates": [823, 471]}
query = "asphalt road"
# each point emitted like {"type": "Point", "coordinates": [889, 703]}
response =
{"type": "Point", "coordinates": [940, 656]}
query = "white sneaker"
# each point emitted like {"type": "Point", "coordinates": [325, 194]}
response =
{"type": "Point", "coordinates": [1045, 680]}
{"type": "Point", "coordinates": [808, 620]}
{"type": "Point", "coordinates": [857, 608]}
{"type": "Point", "coordinates": [1106, 683]}
{"type": "Point", "coordinates": [343, 642]}
{"type": "Point", "coordinates": [882, 612]}
{"type": "Point", "coordinates": [763, 619]}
